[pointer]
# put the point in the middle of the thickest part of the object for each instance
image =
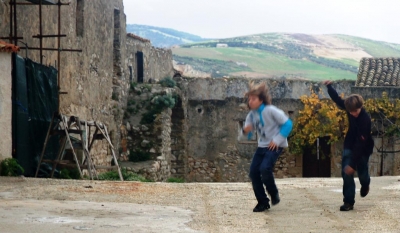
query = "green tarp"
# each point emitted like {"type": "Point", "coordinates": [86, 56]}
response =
{"type": "Point", "coordinates": [35, 99]}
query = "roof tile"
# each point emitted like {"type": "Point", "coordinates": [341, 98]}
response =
{"type": "Point", "coordinates": [374, 72]}
{"type": "Point", "coordinates": [9, 48]}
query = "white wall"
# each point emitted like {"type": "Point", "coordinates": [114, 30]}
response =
{"type": "Point", "coordinates": [5, 106]}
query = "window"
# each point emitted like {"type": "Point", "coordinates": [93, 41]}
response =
{"type": "Point", "coordinates": [79, 18]}
{"type": "Point", "coordinates": [130, 73]}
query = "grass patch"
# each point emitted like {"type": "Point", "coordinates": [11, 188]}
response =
{"type": "Point", "coordinates": [128, 176]}
{"type": "Point", "coordinates": [70, 174]}
{"type": "Point", "coordinates": [374, 48]}
{"type": "Point", "coordinates": [175, 180]}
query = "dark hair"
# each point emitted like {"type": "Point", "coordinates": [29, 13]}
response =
{"type": "Point", "coordinates": [353, 102]}
{"type": "Point", "coordinates": [260, 90]}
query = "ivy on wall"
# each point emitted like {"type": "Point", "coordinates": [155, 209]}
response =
{"type": "Point", "coordinates": [385, 115]}
{"type": "Point", "coordinates": [321, 118]}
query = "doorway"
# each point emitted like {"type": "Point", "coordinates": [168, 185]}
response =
{"type": "Point", "coordinates": [316, 159]}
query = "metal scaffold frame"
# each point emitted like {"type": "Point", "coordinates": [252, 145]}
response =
{"type": "Point", "coordinates": [14, 38]}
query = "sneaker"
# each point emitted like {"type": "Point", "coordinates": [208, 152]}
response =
{"type": "Point", "coordinates": [275, 199]}
{"type": "Point", "coordinates": [260, 207]}
{"type": "Point", "coordinates": [346, 207]}
{"type": "Point", "coordinates": [364, 191]}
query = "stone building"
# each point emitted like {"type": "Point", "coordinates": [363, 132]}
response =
{"type": "Point", "coordinates": [145, 62]}
{"type": "Point", "coordinates": [5, 98]}
{"type": "Point", "coordinates": [94, 82]}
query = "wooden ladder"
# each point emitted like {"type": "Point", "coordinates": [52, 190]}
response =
{"type": "Point", "coordinates": [64, 126]}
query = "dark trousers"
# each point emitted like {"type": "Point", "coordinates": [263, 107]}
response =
{"type": "Point", "coordinates": [349, 186]}
{"type": "Point", "coordinates": [261, 173]}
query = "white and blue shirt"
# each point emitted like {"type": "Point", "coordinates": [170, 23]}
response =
{"type": "Point", "coordinates": [271, 124]}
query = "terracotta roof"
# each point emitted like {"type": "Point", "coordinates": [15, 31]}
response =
{"type": "Point", "coordinates": [379, 72]}
{"type": "Point", "coordinates": [6, 47]}
{"type": "Point", "coordinates": [138, 37]}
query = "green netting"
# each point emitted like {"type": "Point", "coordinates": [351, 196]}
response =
{"type": "Point", "coordinates": [20, 117]}
{"type": "Point", "coordinates": [36, 90]}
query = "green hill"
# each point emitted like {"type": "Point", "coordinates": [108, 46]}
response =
{"type": "Point", "coordinates": [314, 57]}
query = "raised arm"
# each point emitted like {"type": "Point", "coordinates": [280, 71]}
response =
{"type": "Point", "coordinates": [334, 95]}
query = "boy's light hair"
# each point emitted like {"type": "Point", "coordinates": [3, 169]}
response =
{"type": "Point", "coordinates": [353, 102]}
{"type": "Point", "coordinates": [260, 90]}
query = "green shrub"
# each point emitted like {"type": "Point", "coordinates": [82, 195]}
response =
{"type": "Point", "coordinates": [128, 176]}
{"type": "Point", "coordinates": [164, 101]}
{"type": "Point", "coordinates": [10, 167]}
{"type": "Point", "coordinates": [167, 82]}
{"type": "Point", "coordinates": [132, 88]}
{"type": "Point", "coordinates": [147, 87]}
{"type": "Point", "coordinates": [175, 180]}
{"type": "Point", "coordinates": [139, 155]}
{"type": "Point", "coordinates": [131, 109]}
{"type": "Point", "coordinates": [160, 103]}
{"type": "Point", "coordinates": [131, 102]}
{"type": "Point", "coordinates": [70, 173]}
{"type": "Point", "coordinates": [149, 117]}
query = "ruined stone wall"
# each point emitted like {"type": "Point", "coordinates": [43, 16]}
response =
{"type": "Point", "coordinates": [157, 61]}
{"type": "Point", "coordinates": [5, 105]}
{"type": "Point", "coordinates": [161, 141]}
{"type": "Point", "coordinates": [214, 116]}
{"type": "Point", "coordinates": [90, 76]}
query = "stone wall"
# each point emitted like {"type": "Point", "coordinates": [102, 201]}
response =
{"type": "Point", "coordinates": [214, 116]}
{"type": "Point", "coordinates": [96, 27]}
{"type": "Point", "coordinates": [157, 62]}
{"type": "Point", "coordinates": [5, 105]}
{"type": "Point", "coordinates": [153, 140]}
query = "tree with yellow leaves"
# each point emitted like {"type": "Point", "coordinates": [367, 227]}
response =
{"type": "Point", "coordinates": [319, 118]}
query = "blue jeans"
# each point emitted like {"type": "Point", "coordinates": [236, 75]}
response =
{"type": "Point", "coordinates": [349, 187]}
{"type": "Point", "coordinates": [261, 173]}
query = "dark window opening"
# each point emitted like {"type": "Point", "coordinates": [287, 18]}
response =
{"type": "Point", "coordinates": [139, 68]}
{"type": "Point", "coordinates": [117, 27]}
{"type": "Point", "coordinates": [130, 74]}
{"type": "Point", "coordinates": [79, 18]}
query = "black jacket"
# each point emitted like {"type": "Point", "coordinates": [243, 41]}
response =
{"type": "Point", "coordinates": [358, 137]}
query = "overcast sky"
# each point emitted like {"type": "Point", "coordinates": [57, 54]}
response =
{"type": "Point", "coordinates": [373, 19]}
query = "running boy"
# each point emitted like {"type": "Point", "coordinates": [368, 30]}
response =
{"type": "Point", "coordinates": [358, 146]}
{"type": "Point", "coordinates": [273, 128]}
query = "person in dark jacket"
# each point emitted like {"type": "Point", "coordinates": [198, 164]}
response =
{"type": "Point", "coordinates": [358, 146]}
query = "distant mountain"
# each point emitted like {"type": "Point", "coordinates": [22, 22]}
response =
{"type": "Point", "coordinates": [163, 37]}
{"type": "Point", "coordinates": [281, 55]}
